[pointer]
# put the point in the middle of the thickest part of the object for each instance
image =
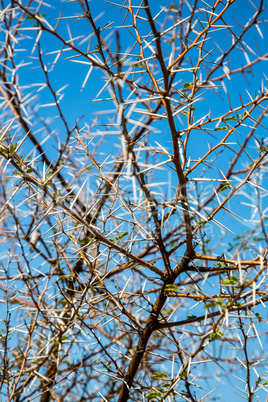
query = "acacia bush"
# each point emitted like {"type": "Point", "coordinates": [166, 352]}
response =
{"type": "Point", "coordinates": [133, 157]}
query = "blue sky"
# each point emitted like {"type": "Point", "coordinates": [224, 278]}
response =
{"type": "Point", "coordinates": [77, 104]}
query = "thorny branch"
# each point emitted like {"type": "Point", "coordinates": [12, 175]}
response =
{"type": "Point", "coordinates": [133, 202]}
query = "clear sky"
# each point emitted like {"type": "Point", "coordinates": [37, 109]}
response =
{"type": "Point", "coordinates": [68, 76]}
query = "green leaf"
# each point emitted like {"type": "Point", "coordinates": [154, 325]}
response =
{"type": "Point", "coordinates": [219, 302]}
{"type": "Point", "coordinates": [49, 174]}
{"type": "Point", "coordinates": [237, 304]}
{"type": "Point", "coordinates": [123, 235]}
{"type": "Point", "coordinates": [189, 84]}
{"type": "Point", "coordinates": [170, 288]}
{"type": "Point", "coordinates": [189, 317]}
{"type": "Point", "coordinates": [221, 128]}
{"type": "Point", "coordinates": [159, 376]}
{"type": "Point", "coordinates": [64, 277]}
{"type": "Point", "coordinates": [263, 148]}
{"type": "Point", "coordinates": [29, 17]}
{"type": "Point", "coordinates": [141, 64]}
{"type": "Point", "coordinates": [153, 395]}
{"type": "Point", "coordinates": [200, 223]}
{"type": "Point", "coordinates": [117, 238]}
{"type": "Point", "coordinates": [215, 335]}
{"type": "Point", "coordinates": [186, 112]}
{"type": "Point", "coordinates": [219, 264]}
{"type": "Point", "coordinates": [13, 148]}
{"type": "Point", "coordinates": [29, 170]}
{"type": "Point", "coordinates": [230, 118]}
{"type": "Point", "coordinates": [63, 302]}
{"type": "Point", "coordinates": [225, 185]}
{"type": "Point", "coordinates": [258, 238]}
{"type": "Point", "coordinates": [97, 47]}
{"type": "Point", "coordinates": [86, 240]}
{"type": "Point", "coordinates": [165, 385]}
{"type": "Point", "coordinates": [233, 280]}
{"type": "Point", "coordinates": [4, 150]}
{"type": "Point", "coordinates": [87, 169]}
{"type": "Point", "coordinates": [184, 374]}
{"type": "Point", "coordinates": [239, 237]}
{"type": "Point", "coordinates": [258, 380]}
{"type": "Point", "coordinates": [10, 150]}
{"type": "Point", "coordinates": [258, 316]}
{"type": "Point", "coordinates": [57, 192]}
